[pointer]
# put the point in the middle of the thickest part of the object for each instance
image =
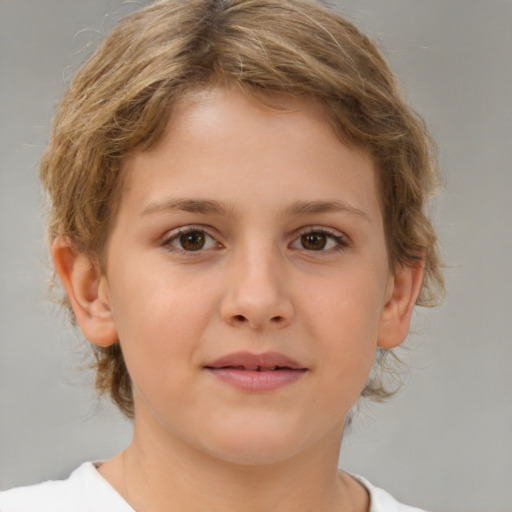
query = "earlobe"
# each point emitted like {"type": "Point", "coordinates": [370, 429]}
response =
{"type": "Point", "coordinates": [87, 290]}
{"type": "Point", "coordinates": [404, 290]}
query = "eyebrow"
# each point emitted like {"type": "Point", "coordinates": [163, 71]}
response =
{"type": "Point", "coordinates": [212, 207]}
{"type": "Point", "coordinates": [309, 207]}
{"type": "Point", "coordinates": [202, 206]}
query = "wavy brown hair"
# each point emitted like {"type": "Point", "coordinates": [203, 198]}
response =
{"type": "Point", "coordinates": [122, 97]}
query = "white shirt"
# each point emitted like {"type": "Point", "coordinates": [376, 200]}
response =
{"type": "Point", "coordinates": [87, 491]}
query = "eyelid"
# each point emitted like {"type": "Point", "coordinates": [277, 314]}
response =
{"type": "Point", "coordinates": [341, 239]}
{"type": "Point", "coordinates": [174, 234]}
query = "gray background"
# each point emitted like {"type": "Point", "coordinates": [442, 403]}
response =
{"type": "Point", "coordinates": [445, 442]}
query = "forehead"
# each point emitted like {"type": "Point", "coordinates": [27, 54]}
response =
{"type": "Point", "coordinates": [224, 133]}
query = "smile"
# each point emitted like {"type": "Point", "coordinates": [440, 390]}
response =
{"type": "Point", "coordinates": [256, 372]}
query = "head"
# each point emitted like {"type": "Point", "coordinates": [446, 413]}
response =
{"type": "Point", "coordinates": [123, 98]}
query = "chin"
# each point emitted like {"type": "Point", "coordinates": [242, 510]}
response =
{"type": "Point", "coordinates": [254, 454]}
{"type": "Point", "coordinates": [255, 445]}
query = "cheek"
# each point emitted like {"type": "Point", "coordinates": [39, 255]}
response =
{"type": "Point", "coordinates": [347, 304]}
{"type": "Point", "coordinates": [160, 317]}
{"type": "Point", "coordinates": [343, 319]}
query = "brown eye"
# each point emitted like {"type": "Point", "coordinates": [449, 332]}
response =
{"type": "Point", "coordinates": [321, 240]}
{"type": "Point", "coordinates": [192, 241]}
{"type": "Point", "coordinates": [313, 241]}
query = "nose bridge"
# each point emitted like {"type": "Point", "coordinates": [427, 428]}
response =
{"type": "Point", "coordinates": [257, 294]}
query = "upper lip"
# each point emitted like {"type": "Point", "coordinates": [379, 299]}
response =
{"type": "Point", "coordinates": [255, 362]}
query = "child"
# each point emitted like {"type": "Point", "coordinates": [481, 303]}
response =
{"type": "Point", "coordinates": [237, 196]}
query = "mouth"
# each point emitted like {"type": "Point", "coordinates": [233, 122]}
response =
{"type": "Point", "coordinates": [250, 369]}
{"type": "Point", "coordinates": [256, 372]}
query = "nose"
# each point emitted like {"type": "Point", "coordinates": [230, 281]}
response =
{"type": "Point", "coordinates": [256, 294]}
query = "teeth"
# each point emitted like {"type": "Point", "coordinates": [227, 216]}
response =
{"type": "Point", "coordinates": [264, 369]}
{"type": "Point", "coordinates": [254, 368]}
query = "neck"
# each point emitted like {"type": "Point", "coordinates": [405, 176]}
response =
{"type": "Point", "coordinates": [151, 474]}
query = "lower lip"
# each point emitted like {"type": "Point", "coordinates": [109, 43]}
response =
{"type": "Point", "coordinates": [254, 381]}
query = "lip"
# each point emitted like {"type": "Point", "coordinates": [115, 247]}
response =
{"type": "Point", "coordinates": [268, 371]}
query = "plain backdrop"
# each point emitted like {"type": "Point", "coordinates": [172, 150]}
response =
{"type": "Point", "coordinates": [445, 442]}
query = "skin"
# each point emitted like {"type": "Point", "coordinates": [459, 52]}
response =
{"type": "Point", "coordinates": [294, 261]}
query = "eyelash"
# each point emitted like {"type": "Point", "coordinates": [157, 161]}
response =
{"type": "Point", "coordinates": [340, 241]}
{"type": "Point", "coordinates": [188, 230]}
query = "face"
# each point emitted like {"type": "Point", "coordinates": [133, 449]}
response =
{"type": "Point", "coordinates": [248, 278]}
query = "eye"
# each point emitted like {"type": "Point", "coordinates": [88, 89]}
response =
{"type": "Point", "coordinates": [320, 240]}
{"type": "Point", "coordinates": [190, 240]}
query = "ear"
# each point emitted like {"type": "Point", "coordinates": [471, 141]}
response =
{"type": "Point", "coordinates": [404, 288]}
{"type": "Point", "coordinates": [87, 290]}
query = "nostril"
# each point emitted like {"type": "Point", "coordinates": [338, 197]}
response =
{"type": "Point", "coordinates": [240, 318]}
{"type": "Point", "coordinates": [276, 319]}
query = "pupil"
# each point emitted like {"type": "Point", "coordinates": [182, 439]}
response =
{"type": "Point", "coordinates": [314, 241]}
{"type": "Point", "coordinates": [193, 241]}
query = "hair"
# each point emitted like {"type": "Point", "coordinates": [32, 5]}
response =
{"type": "Point", "coordinates": [122, 97]}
